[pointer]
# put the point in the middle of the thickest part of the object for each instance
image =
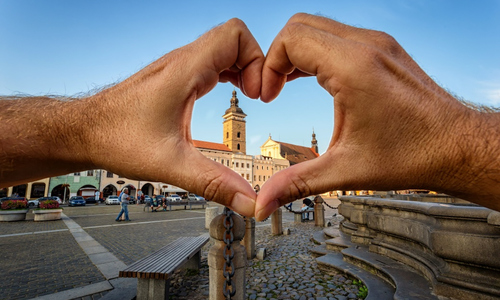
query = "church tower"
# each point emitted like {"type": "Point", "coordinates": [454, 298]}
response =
{"type": "Point", "coordinates": [314, 143]}
{"type": "Point", "coordinates": [234, 127]}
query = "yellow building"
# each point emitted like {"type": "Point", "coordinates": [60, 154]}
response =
{"type": "Point", "coordinates": [293, 153]}
{"type": "Point", "coordinates": [30, 190]}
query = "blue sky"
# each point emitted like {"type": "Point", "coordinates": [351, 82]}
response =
{"type": "Point", "coordinates": [72, 47]}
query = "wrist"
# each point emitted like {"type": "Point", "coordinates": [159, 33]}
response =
{"type": "Point", "coordinates": [473, 157]}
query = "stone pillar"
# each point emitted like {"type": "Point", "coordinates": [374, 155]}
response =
{"type": "Point", "coordinates": [319, 212]}
{"type": "Point", "coordinates": [276, 226]}
{"type": "Point", "coordinates": [217, 263]}
{"type": "Point", "coordinates": [210, 214]}
{"type": "Point", "coordinates": [249, 239]}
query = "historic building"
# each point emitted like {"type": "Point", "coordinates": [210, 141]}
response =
{"type": "Point", "coordinates": [293, 153]}
{"type": "Point", "coordinates": [234, 127]}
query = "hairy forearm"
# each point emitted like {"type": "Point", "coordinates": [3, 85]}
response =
{"type": "Point", "coordinates": [42, 137]}
{"type": "Point", "coordinates": [477, 168]}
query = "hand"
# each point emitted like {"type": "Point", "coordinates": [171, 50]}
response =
{"type": "Point", "coordinates": [153, 109]}
{"type": "Point", "coordinates": [394, 128]}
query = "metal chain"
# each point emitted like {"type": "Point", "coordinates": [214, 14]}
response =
{"type": "Point", "coordinates": [290, 210]}
{"type": "Point", "coordinates": [324, 202]}
{"type": "Point", "coordinates": [229, 289]}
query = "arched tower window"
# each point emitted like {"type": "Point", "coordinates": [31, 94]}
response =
{"type": "Point", "coordinates": [227, 135]}
{"type": "Point", "coordinates": [238, 146]}
{"type": "Point", "coordinates": [238, 134]}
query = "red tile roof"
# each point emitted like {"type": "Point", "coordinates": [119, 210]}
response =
{"type": "Point", "coordinates": [211, 146]}
{"type": "Point", "coordinates": [297, 154]}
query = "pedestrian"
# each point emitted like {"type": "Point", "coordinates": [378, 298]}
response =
{"type": "Point", "coordinates": [307, 206]}
{"type": "Point", "coordinates": [124, 199]}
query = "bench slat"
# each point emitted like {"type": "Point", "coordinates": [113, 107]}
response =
{"type": "Point", "coordinates": [167, 255]}
{"type": "Point", "coordinates": [162, 263]}
{"type": "Point", "coordinates": [146, 268]}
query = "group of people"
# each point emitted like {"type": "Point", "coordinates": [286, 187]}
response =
{"type": "Point", "coordinates": [157, 202]}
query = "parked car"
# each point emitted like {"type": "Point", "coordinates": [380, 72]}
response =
{"type": "Point", "coordinates": [90, 200]}
{"type": "Point", "coordinates": [111, 200]}
{"type": "Point", "coordinates": [194, 197]}
{"type": "Point", "coordinates": [174, 198]}
{"type": "Point", "coordinates": [148, 199]}
{"type": "Point", "coordinates": [132, 200]}
{"type": "Point", "coordinates": [77, 201]}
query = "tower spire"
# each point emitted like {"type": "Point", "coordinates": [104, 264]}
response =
{"type": "Point", "coordinates": [314, 142]}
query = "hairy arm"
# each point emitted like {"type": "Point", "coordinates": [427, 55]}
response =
{"type": "Point", "coordinates": [45, 137]}
{"type": "Point", "coordinates": [394, 127]}
{"type": "Point", "coordinates": [42, 137]}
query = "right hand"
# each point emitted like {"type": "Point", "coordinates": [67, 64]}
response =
{"type": "Point", "coordinates": [394, 127]}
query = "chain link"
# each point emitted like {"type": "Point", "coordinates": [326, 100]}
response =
{"type": "Point", "coordinates": [229, 289]}
{"type": "Point", "coordinates": [324, 202]}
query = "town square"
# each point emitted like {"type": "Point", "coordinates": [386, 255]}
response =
{"type": "Point", "coordinates": [328, 150]}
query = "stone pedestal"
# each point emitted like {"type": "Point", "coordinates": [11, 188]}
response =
{"type": "Point", "coordinates": [210, 214]}
{"type": "Point", "coordinates": [249, 240]}
{"type": "Point", "coordinates": [47, 214]}
{"type": "Point", "coordinates": [217, 262]}
{"type": "Point", "coordinates": [276, 222]}
{"type": "Point", "coordinates": [12, 215]}
{"type": "Point", "coordinates": [319, 212]}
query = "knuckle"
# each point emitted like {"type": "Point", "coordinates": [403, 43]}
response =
{"type": "Point", "coordinates": [299, 188]}
{"type": "Point", "coordinates": [386, 42]}
{"type": "Point", "coordinates": [212, 189]}
{"type": "Point", "coordinates": [299, 17]}
{"type": "Point", "coordinates": [235, 23]}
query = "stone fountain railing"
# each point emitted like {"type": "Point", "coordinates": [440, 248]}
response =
{"type": "Point", "coordinates": [456, 247]}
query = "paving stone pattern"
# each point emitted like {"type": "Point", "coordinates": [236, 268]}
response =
{"type": "Point", "coordinates": [289, 271]}
{"type": "Point", "coordinates": [49, 262]}
{"type": "Point", "coordinates": [42, 264]}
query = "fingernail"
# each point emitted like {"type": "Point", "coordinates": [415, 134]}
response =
{"type": "Point", "coordinates": [243, 205]}
{"type": "Point", "coordinates": [267, 210]}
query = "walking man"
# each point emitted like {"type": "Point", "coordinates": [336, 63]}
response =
{"type": "Point", "coordinates": [124, 203]}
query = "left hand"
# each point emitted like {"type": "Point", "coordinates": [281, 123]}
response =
{"type": "Point", "coordinates": [154, 108]}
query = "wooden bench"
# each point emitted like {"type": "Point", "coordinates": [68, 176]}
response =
{"type": "Point", "coordinates": [153, 272]}
{"type": "Point", "coordinates": [300, 216]}
{"type": "Point", "coordinates": [185, 204]}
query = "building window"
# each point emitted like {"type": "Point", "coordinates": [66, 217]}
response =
{"type": "Point", "coordinates": [260, 178]}
{"type": "Point", "coordinates": [228, 162]}
{"type": "Point", "coordinates": [268, 167]}
{"type": "Point", "coordinates": [243, 175]}
{"type": "Point", "coordinates": [77, 174]}
{"type": "Point", "coordinates": [238, 146]}
{"type": "Point", "coordinates": [237, 165]}
{"type": "Point", "coordinates": [227, 135]}
{"type": "Point", "coordinates": [254, 177]}
{"type": "Point", "coordinates": [248, 166]}
{"type": "Point", "coordinates": [269, 153]}
{"type": "Point", "coordinates": [238, 134]}
{"type": "Point", "coordinates": [109, 175]}
{"type": "Point", "coordinates": [90, 173]}
{"type": "Point", "coordinates": [248, 177]}
{"type": "Point", "coordinates": [222, 161]}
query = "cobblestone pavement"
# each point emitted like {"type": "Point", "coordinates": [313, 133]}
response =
{"type": "Point", "coordinates": [41, 258]}
{"type": "Point", "coordinates": [288, 272]}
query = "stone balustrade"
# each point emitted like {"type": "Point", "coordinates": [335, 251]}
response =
{"type": "Point", "coordinates": [456, 247]}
